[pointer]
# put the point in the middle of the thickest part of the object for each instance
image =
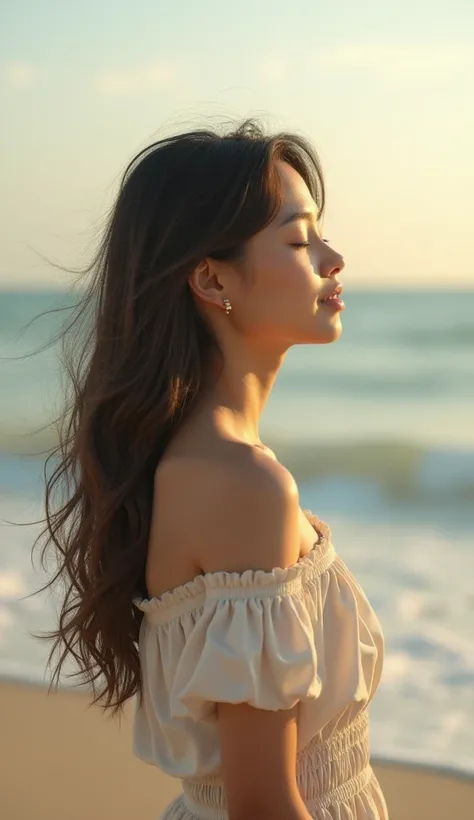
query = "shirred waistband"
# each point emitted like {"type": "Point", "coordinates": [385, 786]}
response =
{"type": "Point", "coordinates": [343, 792]}
{"type": "Point", "coordinates": [338, 795]}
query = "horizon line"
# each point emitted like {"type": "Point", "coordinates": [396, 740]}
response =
{"type": "Point", "coordinates": [417, 286]}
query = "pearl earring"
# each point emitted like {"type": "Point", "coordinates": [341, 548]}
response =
{"type": "Point", "coordinates": [227, 305]}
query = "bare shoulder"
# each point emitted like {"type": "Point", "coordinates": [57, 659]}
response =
{"type": "Point", "coordinates": [234, 510]}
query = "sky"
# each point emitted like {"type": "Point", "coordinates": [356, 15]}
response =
{"type": "Point", "coordinates": [383, 88]}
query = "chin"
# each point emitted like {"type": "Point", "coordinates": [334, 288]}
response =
{"type": "Point", "coordinates": [322, 338]}
{"type": "Point", "coordinates": [321, 334]}
{"type": "Point", "coordinates": [331, 332]}
{"type": "Point", "coordinates": [334, 336]}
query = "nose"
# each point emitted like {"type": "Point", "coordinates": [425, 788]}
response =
{"type": "Point", "coordinates": [334, 265]}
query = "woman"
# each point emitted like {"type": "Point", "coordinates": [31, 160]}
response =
{"type": "Point", "coordinates": [194, 578]}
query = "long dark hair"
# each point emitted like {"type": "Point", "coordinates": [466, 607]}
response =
{"type": "Point", "coordinates": [134, 371]}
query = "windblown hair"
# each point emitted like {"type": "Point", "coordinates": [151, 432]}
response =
{"type": "Point", "coordinates": [136, 371]}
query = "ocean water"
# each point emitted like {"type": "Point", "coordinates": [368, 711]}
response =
{"type": "Point", "coordinates": [378, 430]}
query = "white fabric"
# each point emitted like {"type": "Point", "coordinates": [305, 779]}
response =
{"type": "Point", "coordinates": [306, 634]}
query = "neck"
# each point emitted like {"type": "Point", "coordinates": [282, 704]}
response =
{"type": "Point", "coordinates": [240, 393]}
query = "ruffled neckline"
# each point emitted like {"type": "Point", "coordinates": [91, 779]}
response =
{"type": "Point", "coordinates": [315, 561]}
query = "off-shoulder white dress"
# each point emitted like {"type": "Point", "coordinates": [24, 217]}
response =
{"type": "Point", "coordinates": [306, 634]}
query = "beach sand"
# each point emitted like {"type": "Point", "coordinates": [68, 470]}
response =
{"type": "Point", "coordinates": [62, 761]}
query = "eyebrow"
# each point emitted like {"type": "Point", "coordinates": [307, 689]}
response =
{"type": "Point", "coordinates": [295, 216]}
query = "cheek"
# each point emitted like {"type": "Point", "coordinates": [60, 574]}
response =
{"type": "Point", "coordinates": [285, 291]}
{"type": "Point", "coordinates": [286, 270]}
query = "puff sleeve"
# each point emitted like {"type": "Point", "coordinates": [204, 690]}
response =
{"type": "Point", "coordinates": [248, 648]}
{"type": "Point", "coordinates": [256, 638]}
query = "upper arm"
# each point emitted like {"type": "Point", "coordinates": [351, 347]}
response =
{"type": "Point", "coordinates": [254, 524]}
{"type": "Point", "coordinates": [241, 512]}
{"type": "Point", "coordinates": [258, 755]}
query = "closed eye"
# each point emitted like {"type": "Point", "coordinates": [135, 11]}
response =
{"type": "Point", "coordinates": [304, 244]}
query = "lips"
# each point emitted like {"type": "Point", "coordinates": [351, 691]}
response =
{"type": "Point", "coordinates": [332, 294]}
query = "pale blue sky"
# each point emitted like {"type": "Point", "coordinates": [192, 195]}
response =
{"type": "Point", "coordinates": [383, 88]}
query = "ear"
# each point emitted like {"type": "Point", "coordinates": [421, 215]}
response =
{"type": "Point", "coordinates": [207, 282]}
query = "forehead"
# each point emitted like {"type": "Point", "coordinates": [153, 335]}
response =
{"type": "Point", "coordinates": [292, 183]}
{"type": "Point", "coordinates": [295, 193]}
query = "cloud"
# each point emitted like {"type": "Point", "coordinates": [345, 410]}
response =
{"type": "Point", "coordinates": [392, 60]}
{"type": "Point", "coordinates": [116, 81]}
{"type": "Point", "coordinates": [396, 59]}
{"type": "Point", "coordinates": [20, 75]}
